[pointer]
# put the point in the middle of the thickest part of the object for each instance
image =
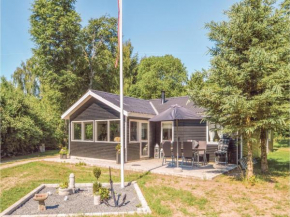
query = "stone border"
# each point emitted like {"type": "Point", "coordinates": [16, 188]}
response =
{"type": "Point", "coordinates": [145, 209]}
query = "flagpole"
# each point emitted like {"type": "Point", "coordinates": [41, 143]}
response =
{"type": "Point", "coordinates": [121, 90]}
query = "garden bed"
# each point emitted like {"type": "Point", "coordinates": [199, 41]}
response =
{"type": "Point", "coordinates": [80, 202]}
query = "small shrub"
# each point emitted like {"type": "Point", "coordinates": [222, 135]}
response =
{"type": "Point", "coordinates": [81, 164]}
{"type": "Point", "coordinates": [63, 151]}
{"type": "Point", "coordinates": [97, 172]}
{"type": "Point", "coordinates": [118, 148]}
{"type": "Point", "coordinates": [96, 187]}
{"type": "Point", "coordinates": [104, 192]}
{"type": "Point", "coordinates": [63, 185]}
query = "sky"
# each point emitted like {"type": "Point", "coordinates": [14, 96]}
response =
{"type": "Point", "coordinates": [155, 28]}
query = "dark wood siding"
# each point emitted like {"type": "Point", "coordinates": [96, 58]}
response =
{"type": "Point", "coordinates": [133, 151]}
{"type": "Point", "coordinates": [94, 110]}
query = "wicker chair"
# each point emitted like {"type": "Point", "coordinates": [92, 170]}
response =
{"type": "Point", "coordinates": [174, 151]}
{"type": "Point", "coordinates": [202, 154]}
{"type": "Point", "coordinates": [167, 153]}
{"type": "Point", "coordinates": [187, 153]}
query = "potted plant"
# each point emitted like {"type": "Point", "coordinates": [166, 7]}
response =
{"type": "Point", "coordinates": [63, 153]}
{"type": "Point", "coordinates": [118, 150]}
{"type": "Point", "coordinates": [63, 189]}
{"type": "Point", "coordinates": [96, 191]}
{"type": "Point", "coordinates": [96, 186]}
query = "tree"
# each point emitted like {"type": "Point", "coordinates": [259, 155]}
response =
{"type": "Point", "coordinates": [25, 78]}
{"type": "Point", "coordinates": [159, 73]}
{"type": "Point", "coordinates": [55, 29]}
{"type": "Point", "coordinates": [245, 88]}
{"type": "Point", "coordinates": [99, 44]}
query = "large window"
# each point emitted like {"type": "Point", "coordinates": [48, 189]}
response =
{"type": "Point", "coordinates": [77, 131]}
{"type": "Point", "coordinates": [114, 130]}
{"type": "Point", "coordinates": [144, 131]}
{"type": "Point", "coordinates": [89, 131]}
{"type": "Point", "coordinates": [166, 132]}
{"type": "Point", "coordinates": [102, 131]}
{"type": "Point", "coordinates": [134, 131]}
{"type": "Point", "coordinates": [214, 133]}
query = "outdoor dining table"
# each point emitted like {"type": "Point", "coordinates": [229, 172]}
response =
{"type": "Point", "coordinates": [194, 150]}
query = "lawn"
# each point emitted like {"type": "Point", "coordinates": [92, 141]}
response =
{"type": "Point", "coordinates": [227, 195]}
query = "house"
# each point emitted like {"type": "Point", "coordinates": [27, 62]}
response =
{"type": "Point", "coordinates": [94, 123]}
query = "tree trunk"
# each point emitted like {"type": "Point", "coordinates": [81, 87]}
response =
{"type": "Point", "coordinates": [264, 162]}
{"type": "Point", "coordinates": [250, 169]}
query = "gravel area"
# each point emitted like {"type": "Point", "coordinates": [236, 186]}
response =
{"type": "Point", "coordinates": [78, 203]}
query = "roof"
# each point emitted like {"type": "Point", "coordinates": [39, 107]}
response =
{"type": "Point", "coordinates": [183, 101]}
{"type": "Point", "coordinates": [134, 106]}
{"type": "Point", "coordinates": [130, 104]}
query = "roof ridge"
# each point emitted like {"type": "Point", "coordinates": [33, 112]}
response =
{"type": "Point", "coordinates": [170, 97]}
{"type": "Point", "coordinates": [119, 95]}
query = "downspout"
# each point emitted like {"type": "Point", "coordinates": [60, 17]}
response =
{"type": "Point", "coordinates": [126, 138]}
{"type": "Point", "coordinates": [241, 147]}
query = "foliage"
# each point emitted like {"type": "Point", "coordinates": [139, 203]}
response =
{"type": "Point", "coordinates": [246, 88]}
{"type": "Point", "coordinates": [96, 187]}
{"type": "Point", "coordinates": [63, 185]}
{"type": "Point", "coordinates": [159, 73]}
{"type": "Point", "coordinates": [97, 172]}
{"type": "Point", "coordinates": [104, 192]}
{"type": "Point", "coordinates": [63, 151]}
{"type": "Point", "coordinates": [23, 122]}
{"type": "Point", "coordinates": [118, 148]}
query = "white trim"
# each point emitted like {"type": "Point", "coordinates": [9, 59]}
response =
{"type": "Point", "coordinates": [148, 138]}
{"type": "Point", "coordinates": [126, 138]}
{"type": "Point", "coordinates": [155, 110]}
{"type": "Point", "coordinates": [138, 136]}
{"type": "Point", "coordinates": [82, 131]}
{"type": "Point", "coordinates": [161, 136]}
{"type": "Point", "coordinates": [138, 115]}
{"type": "Point", "coordinates": [108, 131]}
{"type": "Point", "coordinates": [91, 94]}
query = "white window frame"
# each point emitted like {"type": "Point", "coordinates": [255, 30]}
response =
{"type": "Point", "coordinates": [161, 136]}
{"type": "Point", "coordinates": [139, 131]}
{"type": "Point", "coordinates": [82, 131]}
{"type": "Point", "coordinates": [108, 131]}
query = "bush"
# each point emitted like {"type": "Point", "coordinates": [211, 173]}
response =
{"type": "Point", "coordinates": [104, 192]}
{"type": "Point", "coordinates": [63, 151]}
{"type": "Point", "coordinates": [97, 172]}
{"type": "Point", "coordinates": [63, 185]}
{"type": "Point", "coordinates": [96, 187]}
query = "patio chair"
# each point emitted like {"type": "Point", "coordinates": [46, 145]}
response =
{"type": "Point", "coordinates": [174, 150]}
{"type": "Point", "coordinates": [187, 152]}
{"type": "Point", "coordinates": [167, 153]}
{"type": "Point", "coordinates": [201, 154]}
{"type": "Point", "coordinates": [222, 151]}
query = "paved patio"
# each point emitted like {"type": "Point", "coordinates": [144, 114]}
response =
{"type": "Point", "coordinates": [207, 172]}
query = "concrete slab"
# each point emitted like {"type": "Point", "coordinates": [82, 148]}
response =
{"type": "Point", "coordinates": [207, 172]}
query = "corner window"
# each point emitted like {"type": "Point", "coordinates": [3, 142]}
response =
{"type": "Point", "coordinates": [133, 131]}
{"type": "Point", "coordinates": [89, 131]}
{"type": "Point", "coordinates": [102, 131]}
{"type": "Point", "coordinates": [166, 131]}
{"type": "Point", "coordinates": [77, 131]}
{"type": "Point", "coordinates": [114, 130]}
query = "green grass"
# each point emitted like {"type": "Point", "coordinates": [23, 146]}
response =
{"type": "Point", "coordinates": [166, 195]}
{"type": "Point", "coordinates": [32, 156]}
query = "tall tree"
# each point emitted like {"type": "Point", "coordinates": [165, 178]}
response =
{"type": "Point", "coordinates": [159, 73]}
{"type": "Point", "coordinates": [99, 44]}
{"type": "Point", "coordinates": [55, 29]}
{"type": "Point", "coordinates": [244, 90]}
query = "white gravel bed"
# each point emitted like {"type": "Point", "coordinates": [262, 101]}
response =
{"type": "Point", "coordinates": [79, 203]}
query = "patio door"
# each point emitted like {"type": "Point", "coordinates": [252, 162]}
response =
{"type": "Point", "coordinates": [144, 139]}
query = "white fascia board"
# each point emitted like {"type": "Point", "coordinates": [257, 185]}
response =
{"type": "Point", "coordinates": [75, 106]}
{"type": "Point", "coordinates": [140, 115]}
{"type": "Point", "coordinates": [155, 110]}
{"type": "Point", "coordinates": [84, 99]}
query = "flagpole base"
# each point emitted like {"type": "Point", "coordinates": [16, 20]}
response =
{"type": "Point", "coordinates": [178, 169]}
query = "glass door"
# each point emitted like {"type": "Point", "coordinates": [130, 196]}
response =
{"type": "Point", "coordinates": [144, 139]}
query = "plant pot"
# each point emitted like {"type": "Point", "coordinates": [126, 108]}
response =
{"type": "Point", "coordinates": [97, 199]}
{"type": "Point", "coordinates": [63, 156]}
{"type": "Point", "coordinates": [118, 158]}
{"type": "Point", "coordinates": [64, 191]}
